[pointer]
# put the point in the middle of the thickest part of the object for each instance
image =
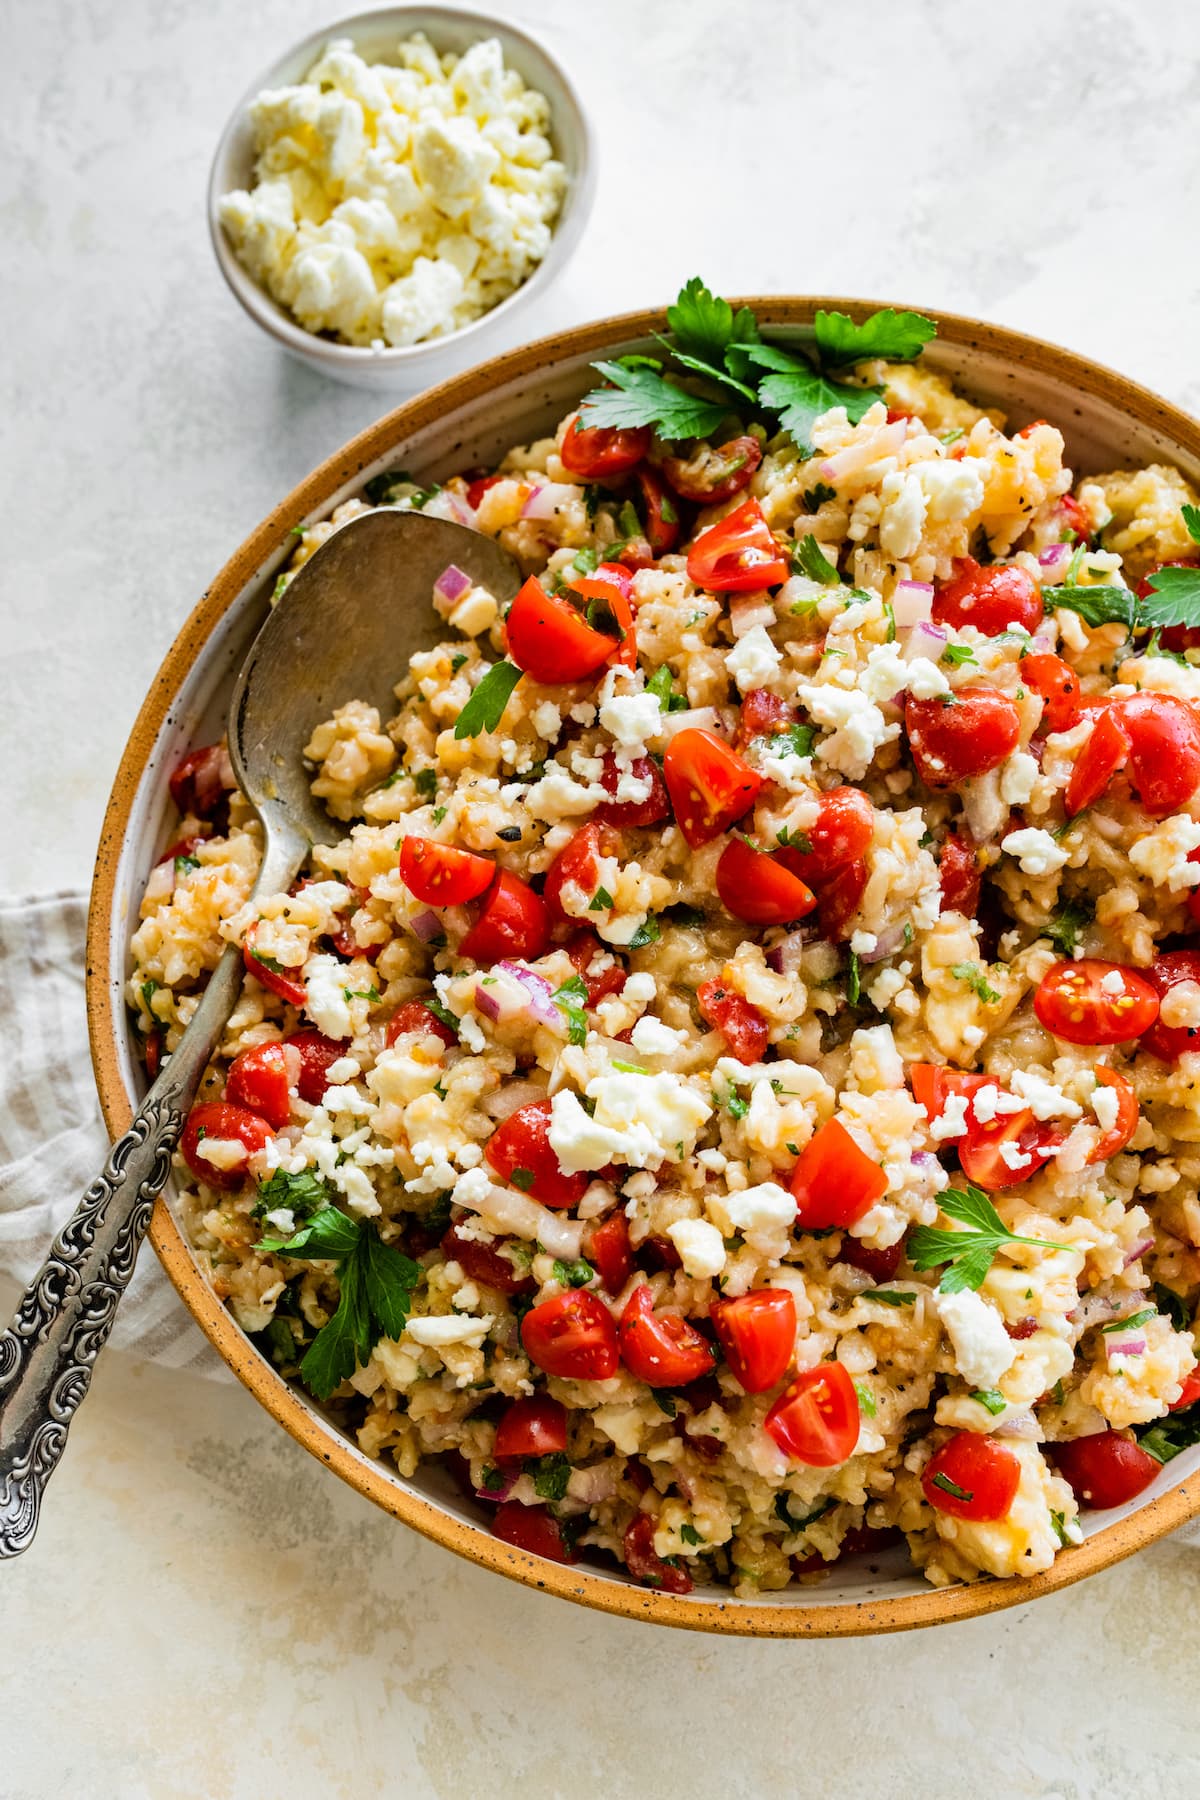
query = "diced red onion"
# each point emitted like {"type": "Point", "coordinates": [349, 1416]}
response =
{"type": "Point", "coordinates": [925, 1160]}
{"type": "Point", "coordinates": [497, 1494]}
{"type": "Point", "coordinates": [544, 501]}
{"type": "Point", "coordinates": [541, 994]}
{"type": "Point", "coordinates": [487, 1003]}
{"type": "Point", "coordinates": [887, 441]}
{"type": "Point", "coordinates": [912, 603]}
{"type": "Point", "coordinates": [925, 639]}
{"type": "Point", "coordinates": [1020, 1425]}
{"type": "Point", "coordinates": [784, 958]}
{"type": "Point", "coordinates": [510, 1097]}
{"type": "Point", "coordinates": [425, 925]}
{"type": "Point", "coordinates": [508, 992]}
{"type": "Point", "coordinates": [748, 610]}
{"type": "Point", "coordinates": [886, 944]}
{"type": "Point", "coordinates": [1124, 1346]}
{"type": "Point", "coordinates": [704, 718]}
{"type": "Point", "coordinates": [1092, 1309]}
{"type": "Point", "coordinates": [451, 584]}
{"type": "Point", "coordinates": [1136, 1251]}
{"type": "Point", "coordinates": [1053, 557]}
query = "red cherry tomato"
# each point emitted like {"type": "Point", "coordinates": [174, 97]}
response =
{"type": "Point", "coordinates": [1171, 1041]}
{"type": "Point", "coordinates": [816, 1419]}
{"type": "Point", "coordinates": [959, 876]}
{"type": "Point", "coordinates": [612, 585]}
{"type": "Point", "coordinates": [651, 811]}
{"type": "Point", "coordinates": [316, 1052]}
{"type": "Point", "coordinates": [551, 640]}
{"type": "Point", "coordinates": [287, 983]}
{"type": "Point", "coordinates": [609, 1251]}
{"type": "Point", "coordinates": [880, 1265]}
{"type": "Point", "coordinates": [972, 1477]}
{"type": "Point", "coordinates": [1029, 1144]}
{"type": "Point", "coordinates": [536, 1426]}
{"type": "Point", "coordinates": [258, 1079]}
{"type": "Point", "coordinates": [344, 941]}
{"type": "Point", "coordinates": [441, 874]}
{"type": "Point", "coordinates": [218, 1119]}
{"type": "Point", "coordinates": [485, 1263]}
{"type": "Point", "coordinates": [739, 1022]}
{"type": "Point", "coordinates": [841, 835]}
{"type": "Point", "coordinates": [477, 489]}
{"type": "Point", "coordinates": [1125, 1124]}
{"type": "Point", "coordinates": [1176, 637]}
{"type": "Point", "coordinates": [572, 1336]}
{"type": "Point", "coordinates": [1105, 1469]}
{"type": "Point", "coordinates": [152, 1052]}
{"type": "Point", "coordinates": [602, 972]}
{"type": "Point", "coordinates": [532, 1528]}
{"type": "Point", "coordinates": [763, 714]}
{"type": "Point", "coordinates": [1164, 751]}
{"type": "Point", "coordinates": [839, 900]}
{"type": "Point", "coordinates": [519, 1151]}
{"type": "Point", "coordinates": [1058, 685]}
{"type": "Point", "coordinates": [661, 1349]}
{"type": "Point", "coordinates": [512, 922]}
{"type": "Point", "coordinates": [602, 452]}
{"type": "Point", "coordinates": [578, 865]}
{"type": "Point", "coordinates": [1091, 1002]}
{"type": "Point", "coordinates": [200, 781]}
{"type": "Point", "coordinates": [1105, 752]}
{"type": "Point", "coordinates": [663, 525]}
{"type": "Point", "coordinates": [933, 1084]}
{"type": "Point", "coordinates": [834, 1182]}
{"type": "Point", "coordinates": [755, 886]}
{"type": "Point", "coordinates": [1189, 1394]}
{"type": "Point", "coordinates": [414, 1015]}
{"type": "Point", "coordinates": [990, 599]}
{"type": "Point", "coordinates": [713, 474]}
{"type": "Point", "coordinates": [709, 784]}
{"type": "Point", "coordinates": [181, 847]}
{"type": "Point", "coordinates": [757, 1332]}
{"type": "Point", "coordinates": [955, 738]}
{"type": "Point", "coordinates": [645, 1565]}
{"type": "Point", "coordinates": [740, 552]}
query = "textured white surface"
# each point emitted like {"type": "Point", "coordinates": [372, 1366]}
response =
{"type": "Point", "coordinates": [205, 1612]}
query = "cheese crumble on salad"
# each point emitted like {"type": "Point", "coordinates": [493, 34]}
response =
{"type": "Point", "coordinates": [729, 1097]}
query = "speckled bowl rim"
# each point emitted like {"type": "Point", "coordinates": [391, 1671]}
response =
{"type": "Point", "coordinates": [793, 1618]}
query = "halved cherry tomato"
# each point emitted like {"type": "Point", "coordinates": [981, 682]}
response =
{"type": "Point", "coordinates": [181, 847]}
{"type": "Point", "coordinates": [816, 1420]}
{"type": "Point", "coordinates": [1125, 1123]}
{"type": "Point", "coordinates": [1058, 685]}
{"type": "Point", "coordinates": [414, 1015]}
{"type": "Point", "coordinates": [959, 876]}
{"type": "Point", "coordinates": [1105, 752]}
{"type": "Point", "coordinates": [344, 942]}
{"type": "Point", "coordinates": [709, 784]}
{"type": "Point", "coordinates": [841, 834]}
{"type": "Point", "coordinates": [535, 1426]}
{"type": "Point", "coordinates": [933, 1084]}
{"type": "Point", "coordinates": [258, 1079]}
{"type": "Point", "coordinates": [839, 898]}
{"type": "Point", "coordinates": [578, 865]}
{"type": "Point", "coordinates": [661, 1349]}
{"type": "Point", "coordinates": [316, 1052]}
{"type": "Point", "coordinates": [651, 811]}
{"type": "Point", "coordinates": [972, 1477]}
{"type": "Point", "coordinates": [663, 524]}
{"type": "Point", "coordinates": [512, 922]}
{"type": "Point", "coordinates": [1176, 637]}
{"type": "Point", "coordinates": [572, 1336]}
{"type": "Point", "coordinates": [485, 1263]}
{"type": "Point", "coordinates": [763, 714]}
{"type": "Point", "coordinates": [551, 640]}
{"type": "Point", "coordinates": [441, 874]}
{"type": "Point", "coordinates": [609, 1252]}
{"type": "Point", "coordinates": [645, 1565]}
{"type": "Point", "coordinates": [610, 587]}
{"type": "Point", "coordinates": [736, 1018]}
{"type": "Point", "coordinates": [1171, 1041]}
{"type": "Point", "coordinates": [585, 950]}
{"type": "Point", "coordinates": [834, 1182]}
{"type": "Point", "coordinates": [989, 1151]}
{"type": "Point", "coordinates": [714, 472]}
{"type": "Point", "coordinates": [957, 736]}
{"type": "Point", "coordinates": [1074, 518]}
{"type": "Point", "coordinates": [757, 1332]}
{"type": "Point", "coordinates": [477, 489]}
{"type": "Point", "coordinates": [519, 1151]}
{"type": "Point", "coordinates": [880, 1265]}
{"type": "Point", "coordinates": [1193, 894]}
{"type": "Point", "coordinates": [1189, 1394]}
{"type": "Point", "coordinates": [1164, 751]}
{"type": "Point", "coordinates": [152, 1052]}
{"type": "Point", "coordinates": [218, 1119]}
{"type": "Point", "coordinates": [602, 452]}
{"type": "Point", "coordinates": [532, 1528]}
{"type": "Point", "coordinates": [200, 781]}
{"type": "Point", "coordinates": [990, 599]}
{"type": "Point", "coordinates": [738, 553]}
{"type": "Point", "coordinates": [1105, 1469]}
{"type": "Point", "coordinates": [287, 983]}
{"type": "Point", "coordinates": [756, 886]}
{"type": "Point", "coordinates": [1090, 1002]}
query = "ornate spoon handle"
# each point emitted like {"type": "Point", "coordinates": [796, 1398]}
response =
{"type": "Point", "coordinates": [65, 1315]}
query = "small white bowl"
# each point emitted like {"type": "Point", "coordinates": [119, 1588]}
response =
{"type": "Point", "coordinates": [375, 36]}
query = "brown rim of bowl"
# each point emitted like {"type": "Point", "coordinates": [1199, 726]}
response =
{"type": "Point", "coordinates": [370, 1478]}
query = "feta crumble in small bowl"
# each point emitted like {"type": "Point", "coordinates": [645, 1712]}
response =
{"type": "Point", "coordinates": [395, 187]}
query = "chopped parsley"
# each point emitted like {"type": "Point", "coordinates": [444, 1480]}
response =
{"type": "Point", "coordinates": [661, 684]}
{"type": "Point", "coordinates": [889, 1296]}
{"type": "Point", "coordinates": [991, 1398]}
{"type": "Point", "coordinates": [976, 980]}
{"type": "Point", "coordinates": [735, 1106]}
{"type": "Point", "coordinates": [809, 559]}
{"type": "Point", "coordinates": [1142, 1317]}
{"type": "Point", "coordinates": [571, 1000]}
{"type": "Point", "coordinates": [969, 1254]}
{"type": "Point", "coordinates": [425, 782]}
{"type": "Point", "coordinates": [1163, 1439]}
{"type": "Point", "coordinates": [523, 1179]}
{"type": "Point", "coordinates": [550, 1474]}
{"type": "Point", "coordinates": [602, 901]}
{"type": "Point", "coordinates": [794, 740]}
{"type": "Point", "coordinates": [866, 1400]}
{"type": "Point", "coordinates": [690, 1535]}
{"type": "Point", "coordinates": [646, 933]}
{"type": "Point", "coordinates": [1173, 1305]}
{"type": "Point", "coordinates": [485, 708]}
{"type": "Point", "coordinates": [951, 1487]}
{"type": "Point", "coordinates": [815, 497]}
{"type": "Point", "coordinates": [1066, 925]}
{"type": "Point", "coordinates": [665, 1401]}
{"type": "Point", "coordinates": [854, 980]}
{"type": "Point", "coordinates": [956, 655]}
{"type": "Point", "coordinates": [303, 1194]}
{"type": "Point", "coordinates": [574, 1274]}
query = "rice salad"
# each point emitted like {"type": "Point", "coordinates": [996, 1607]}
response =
{"type": "Point", "coordinates": [729, 1095]}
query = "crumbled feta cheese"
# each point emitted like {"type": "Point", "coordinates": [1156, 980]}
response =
{"type": "Point", "coordinates": [925, 680]}
{"type": "Point", "coordinates": [953, 489]}
{"type": "Point", "coordinates": [223, 1153]}
{"type": "Point", "coordinates": [1162, 855]}
{"type": "Point", "coordinates": [454, 1328]}
{"type": "Point", "coordinates": [857, 725]}
{"type": "Point", "coordinates": [701, 1247]}
{"type": "Point", "coordinates": [1106, 1105]}
{"type": "Point", "coordinates": [1113, 982]}
{"type": "Point", "coordinates": [953, 1120]}
{"type": "Point", "coordinates": [754, 661]}
{"type": "Point", "coordinates": [1180, 1008]}
{"type": "Point", "coordinates": [983, 1349]}
{"type": "Point", "coordinates": [547, 720]}
{"type": "Point", "coordinates": [558, 796]}
{"type": "Point", "coordinates": [863, 942]}
{"type": "Point", "coordinates": [987, 1103]}
{"type": "Point", "coordinates": [1036, 851]}
{"type": "Point", "coordinates": [1017, 778]}
{"type": "Point", "coordinates": [652, 1038]}
{"type": "Point", "coordinates": [1046, 1100]}
{"type": "Point", "coordinates": [764, 1215]}
{"type": "Point", "coordinates": [1014, 1157]}
{"type": "Point", "coordinates": [644, 1120]}
{"type": "Point", "coordinates": [902, 518]}
{"type": "Point", "coordinates": [632, 719]}
{"type": "Point", "coordinates": [326, 1003]}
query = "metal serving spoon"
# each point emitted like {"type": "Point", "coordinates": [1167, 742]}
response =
{"type": "Point", "coordinates": [344, 629]}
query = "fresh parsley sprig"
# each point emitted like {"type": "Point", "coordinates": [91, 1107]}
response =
{"type": "Point", "coordinates": [485, 709]}
{"type": "Point", "coordinates": [969, 1254]}
{"type": "Point", "coordinates": [1172, 597]}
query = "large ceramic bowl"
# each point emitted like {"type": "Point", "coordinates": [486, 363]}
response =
{"type": "Point", "coordinates": [1108, 421]}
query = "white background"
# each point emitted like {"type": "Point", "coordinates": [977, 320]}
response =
{"type": "Point", "coordinates": [206, 1614]}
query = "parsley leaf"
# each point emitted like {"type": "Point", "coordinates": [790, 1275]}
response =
{"type": "Point", "coordinates": [958, 654]}
{"type": "Point", "coordinates": [854, 980]}
{"type": "Point", "coordinates": [1067, 924]}
{"type": "Point", "coordinates": [1165, 1438]}
{"type": "Point", "coordinates": [425, 782]}
{"type": "Point", "coordinates": [550, 1474]}
{"type": "Point", "coordinates": [969, 1253]}
{"type": "Point", "coordinates": [689, 1535]}
{"type": "Point", "coordinates": [866, 1400]}
{"type": "Point", "coordinates": [1095, 605]}
{"type": "Point", "coordinates": [344, 1344]}
{"type": "Point", "coordinates": [976, 980]}
{"type": "Point", "coordinates": [992, 1398]}
{"type": "Point", "coordinates": [1173, 1305]}
{"type": "Point", "coordinates": [895, 336]}
{"type": "Point", "coordinates": [791, 387]}
{"type": "Point", "coordinates": [809, 559]}
{"type": "Point", "coordinates": [442, 1014]}
{"type": "Point", "coordinates": [571, 999]}
{"type": "Point", "coordinates": [646, 933]}
{"type": "Point", "coordinates": [815, 497]}
{"type": "Point", "coordinates": [797, 740]}
{"type": "Point", "coordinates": [1191, 518]}
{"type": "Point", "coordinates": [661, 684]}
{"type": "Point", "coordinates": [303, 1194]}
{"type": "Point", "coordinates": [485, 708]}
{"type": "Point", "coordinates": [642, 396]}
{"type": "Point", "coordinates": [1174, 598]}
{"type": "Point", "coordinates": [706, 325]}
{"type": "Point", "coordinates": [573, 1274]}
{"type": "Point", "coordinates": [889, 1296]}
{"type": "Point", "coordinates": [327, 1234]}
